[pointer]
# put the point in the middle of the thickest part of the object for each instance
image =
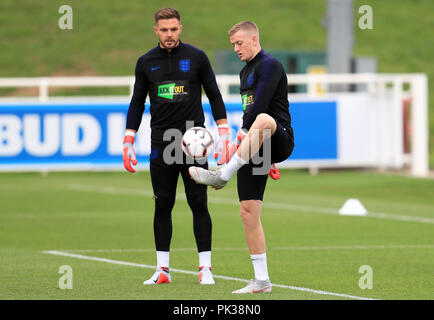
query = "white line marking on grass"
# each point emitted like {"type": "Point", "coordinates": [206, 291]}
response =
{"type": "Point", "coordinates": [139, 265]}
{"type": "Point", "coordinates": [271, 205]}
{"type": "Point", "coordinates": [357, 247]}
{"type": "Point", "coordinates": [290, 248]}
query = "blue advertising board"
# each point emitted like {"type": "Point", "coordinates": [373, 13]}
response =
{"type": "Point", "coordinates": [82, 135]}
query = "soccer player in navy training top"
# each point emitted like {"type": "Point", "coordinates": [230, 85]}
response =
{"type": "Point", "coordinates": [173, 74]}
{"type": "Point", "coordinates": [266, 131]}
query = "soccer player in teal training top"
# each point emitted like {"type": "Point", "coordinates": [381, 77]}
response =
{"type": "Point", "coordinates": [266, 131]}
{"type": "Point", "coordinates": [182, 70]}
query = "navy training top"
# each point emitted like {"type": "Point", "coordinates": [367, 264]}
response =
{"type": "Point", "coordinates": [174, 81]}
{"type": "Point", "coordinates": [264, 89]}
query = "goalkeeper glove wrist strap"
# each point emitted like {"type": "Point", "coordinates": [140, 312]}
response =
{"type": "Point", "coordinates": [128, 138]}
{"type": "Point", "coordinates": [223, 129]}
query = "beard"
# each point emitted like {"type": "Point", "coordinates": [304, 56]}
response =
{"type": "Point", "coordinates": [169, 44]}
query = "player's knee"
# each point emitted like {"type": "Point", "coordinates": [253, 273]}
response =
{"type": "Point", "coordinates": [197, 202]}
{"type": "Point", "coordinates": [164, 204]}
{"type": "Point", "coordinates": [248, 215]}
{"type": "Point", "coordinates": [265, 124]}
{"type": "Point", "coordinates": [265, 120]}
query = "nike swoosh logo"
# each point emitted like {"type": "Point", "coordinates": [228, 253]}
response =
{"type": "Point", "coordinates": [153, 69]}
{"type": "Point", "coordinates": [254, 291]}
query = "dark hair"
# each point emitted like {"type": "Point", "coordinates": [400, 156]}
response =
{"type": "Point", "coordinates": [166, 13]}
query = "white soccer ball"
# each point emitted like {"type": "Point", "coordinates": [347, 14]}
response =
{"type": "Point", "coordinates": [197, 143]}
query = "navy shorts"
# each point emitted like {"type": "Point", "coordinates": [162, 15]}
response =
{"type": "Point", "coordinates": [252, 177]}
{"type": "Point", "coordinates": [164, 177]}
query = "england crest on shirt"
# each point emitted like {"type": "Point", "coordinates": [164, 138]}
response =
{"type": "Point", "coordinates": [184, 65]}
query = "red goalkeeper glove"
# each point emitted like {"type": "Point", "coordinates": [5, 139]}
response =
{"type": "Point", "coordinates": [274, 172]}
{"type": "Point", "coordinates": [222, 145]}
{"type": "Point", "coordinates": [129, 155]}
{"type": "Point", "coordinates": [236, 143]}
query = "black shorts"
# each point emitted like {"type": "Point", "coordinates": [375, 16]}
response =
{"type": "Point", "coordinates": [252, 177]}
{"type": "Point", "coordinates": [164, 176]}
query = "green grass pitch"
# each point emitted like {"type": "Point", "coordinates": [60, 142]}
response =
{"type": "Point", "coordinates": [107, 217]}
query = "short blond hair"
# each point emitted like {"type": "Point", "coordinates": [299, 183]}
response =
{"type": "Point", "coordinates": [245, 26]}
